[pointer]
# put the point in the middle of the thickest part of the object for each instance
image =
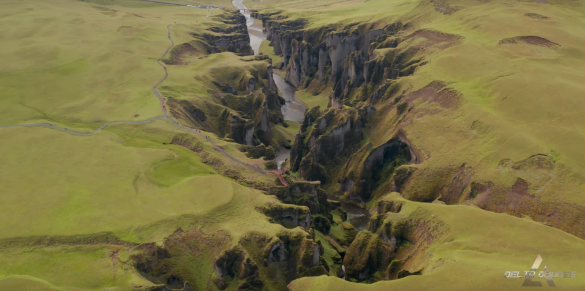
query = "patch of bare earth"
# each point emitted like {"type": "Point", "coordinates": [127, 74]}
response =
{"type": "Point", "coordinates": [431, 38]}
{"type": "Point", "coordinates": [536, 16]}
{"type": "Point", "coordinates": [531, 40]}
{"type": "Point", "coordinates": [530, 46]}
{"type": "Point", "coordinates": [180, 54]}
{"type": "Point", "coordinates": [443, 7]}
{"type": "Point", "coordinates": [437, 92]}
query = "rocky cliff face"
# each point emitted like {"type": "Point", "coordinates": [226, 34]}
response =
{"type": "Point", "coordinates": [463, 185]}
{"type": "Point", "coordinates": [310, 195]}
{"type": "Point", "coordinates": [259, 262]}
{"type": "Point", "coordinates": [170, 265]}
{"type": "Point", "coordinates": [289, 216]}
{"type": "Point", "coordinates": [344, 58]}
{"type": "Point", "coordinates": [372, 167]}
{"type": "Point", "coordinates": [339, 146]}
{"type": "Point", "coordinates": [341, 56]}
{"type": "Point", "coordinates": [236, 264]}
{"type": "Point", "coordinates": [245, 102]}
{"type": "Point", "coordinates": [232, 38]}
{"type": "Point", "coordinates": [244, 106]}
{"type": "Point", "coordinates": [324, 138]}
{"type": "Point", "coordinates": [394, 244]}
{"type": "Point", "coordinates": [364, 64]}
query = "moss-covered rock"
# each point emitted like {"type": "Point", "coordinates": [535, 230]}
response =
{"type": "Point", "coordinates": [256, 152]}
{"type": "Point", "coordinates": [269, 153]}
{"type": "Point", "coordinates": [270, 165]}
{"type": "Point", "coordinates": [366, 255]}
{"type": "Point", "coordinates": [289, 216]}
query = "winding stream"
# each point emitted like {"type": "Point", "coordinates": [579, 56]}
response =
{"type": "Point", "coordinates": [293, 109]}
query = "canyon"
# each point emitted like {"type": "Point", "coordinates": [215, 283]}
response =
{"type": "Point", "coordinates": [365, 66]}
{"type": "Point", "coordinates": [290, 145]}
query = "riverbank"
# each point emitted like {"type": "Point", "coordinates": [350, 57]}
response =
{"type": "Point", "coordinates": [293, 109]}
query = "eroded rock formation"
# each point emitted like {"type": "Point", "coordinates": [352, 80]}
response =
{"type": "Point", "coordinates": [394, 244]}
{"type": "Point", "coordinates": [259, 261]}
{"type": "Point", "coordinates": [244, 106]}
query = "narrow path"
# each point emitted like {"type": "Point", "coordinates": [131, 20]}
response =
{"type": "Point", "coordinates": [163, 2]}
{"type": "Point", "coordinates": [155, 88]}
{"type": "Point", "coordinates": [81, 133]}
{"type": "Point", "coordinates": [165, 115]}
{"type": "Point", "coordinates": [195, 131]}
{"type": "Point", "coordinates": [279, 175]}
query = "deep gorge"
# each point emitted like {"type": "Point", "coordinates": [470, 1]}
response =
{"type": "Point", "coordinates": [344, 169]}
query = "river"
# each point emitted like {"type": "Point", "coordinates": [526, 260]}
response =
{"type": "Point", "coordinates": [255, 29]}
{"type": "Point", "coordinates": [293, 109]}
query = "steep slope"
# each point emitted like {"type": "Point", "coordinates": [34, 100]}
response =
{"type": "Point", "coordinates": [451, 102]}
{"type": "Point", "coordinates": [445, 149]}
{"type": "Point", "coordinates": [447, 252]}
{"type": "Point", "coordinates": [439, 87]}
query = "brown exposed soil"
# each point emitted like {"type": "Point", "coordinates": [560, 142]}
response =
{"type": "Point", "coordinates": [443, 7]}
{"type": "Point", "coordinates": [450, 194]}
{"type": "Point", "coordinates": [394, 246]}
{"type": "Point", "coordinates": [437, 92]}
{"type": "Point", "coordinates": [536, 16]}
{"type": "Point", "coordinates": [518, 201]}
{"type": "Point", "coordinates": [532, 40]}
{"type": "Point", "coordinates": [180, 53]}
{"type": "Point", "coordinates": [435, 38]}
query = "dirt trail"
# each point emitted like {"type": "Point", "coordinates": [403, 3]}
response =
{"type": "Point", "coordinates": [163, 2]}
{"type": "Point", "coordinates": [81, 133]}
{"type": "Point", "coordinates": [279, 175]}
{"type": "Point", "coordinates": [155, 88]}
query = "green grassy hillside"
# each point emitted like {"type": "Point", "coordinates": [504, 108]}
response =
{"type": "Point", "coordinates": [81, 212]}
{"type": "Point", "coordinates": [78, 206]}
{"type": "Point", "coordinates": [514, 66]}
{"type": "Point", "coordinates": [478, 249]}
{"type": "Point", "coordinates": [525, 95]}
{"type": "Point", "coordinates": [511, 90]}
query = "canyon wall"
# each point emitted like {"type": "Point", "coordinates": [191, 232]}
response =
{"type": "Point", "coordinates": [366, 65]}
